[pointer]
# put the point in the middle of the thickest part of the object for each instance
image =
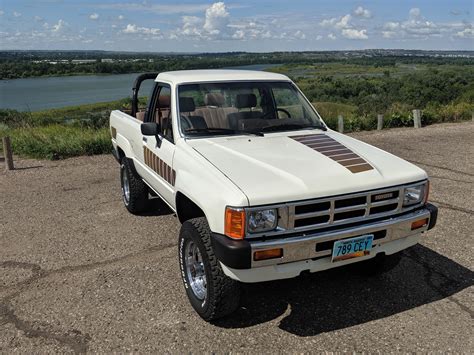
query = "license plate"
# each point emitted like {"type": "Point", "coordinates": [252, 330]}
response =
{"type": "Point", "coordinates": [352, 248]}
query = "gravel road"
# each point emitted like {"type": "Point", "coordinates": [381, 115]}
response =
{"type": "Point", "coordinates": [78, 273]}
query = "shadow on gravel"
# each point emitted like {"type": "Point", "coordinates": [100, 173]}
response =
{"type": "Point", "coordinates": [156, 208]}
{"type": "Point", "coordinates": [342, 297]}
{"type": "Point", "coordinates": [28, 167]}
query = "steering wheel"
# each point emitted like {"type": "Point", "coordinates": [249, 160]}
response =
{"type": "Point", "coordinates": [284, 111]}
{"type": "Point", "coordinates": [277, 109]}
{"type": "Point", "coordinates": [185, 123]}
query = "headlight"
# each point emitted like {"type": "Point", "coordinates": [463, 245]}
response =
{"type": "Point", "coordinates": [414, 195]}
{"type": "Point", "coordinates": [262, 220]}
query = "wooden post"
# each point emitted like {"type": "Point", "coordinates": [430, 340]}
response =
{"type": "Point", "coordinates": [417, 118]}
{"type": "Point", "coordinates": [379, 122]}
{"type": "Point", "coordinates": [7, 152]}
{"type": "Point", "coordinates": [340, 123]}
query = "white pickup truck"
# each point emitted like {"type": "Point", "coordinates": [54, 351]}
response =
{"type": "Point", "coordinates": [263, 189]}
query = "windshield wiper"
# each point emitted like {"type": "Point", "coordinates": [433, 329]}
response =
{"type": "Point", "coordinates": [222, 131]}
{"type": "Point", "coordinates": [290, 126]}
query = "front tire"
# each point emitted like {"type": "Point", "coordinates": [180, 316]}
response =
{"type": "Point", "coordinates": [134, 190]}
{"type": "Point", "coordinates": [211, 293]}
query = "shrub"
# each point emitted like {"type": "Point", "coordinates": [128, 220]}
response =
{"type": "Point", "coordinates": [59, 142]}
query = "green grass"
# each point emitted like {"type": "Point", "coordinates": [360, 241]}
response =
{"type": "Point", "coordinates": [58, 142]}
{"type": "Point", "coordinates": [60, 133]}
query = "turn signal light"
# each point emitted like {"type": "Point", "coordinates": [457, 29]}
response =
{"type": "Point", "coordinates": [427, 192]}
{"type": "Point", "coordinates": [268, 254]}
{"type": "Point", "coordinates": [234, 223]}
{"type": "Point", "coordinates": [420, 223]}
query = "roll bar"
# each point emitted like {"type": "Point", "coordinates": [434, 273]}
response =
{"type": "Point", "coordinates": [136, 87]}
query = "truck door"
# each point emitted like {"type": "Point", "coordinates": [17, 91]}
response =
{"type": "Point", "coordinates": [158, 151]}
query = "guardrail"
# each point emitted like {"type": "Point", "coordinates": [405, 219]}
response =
{"type": "Point", "coordinates": [416, 121]}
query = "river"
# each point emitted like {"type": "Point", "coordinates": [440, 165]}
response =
{"type": "Point", "coordinates": [33, 94]}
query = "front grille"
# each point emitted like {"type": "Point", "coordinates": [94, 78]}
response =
{"type": "Point", "coordinates": [344, 209]}
{"type": "Point", "coordinates": [337, 212]}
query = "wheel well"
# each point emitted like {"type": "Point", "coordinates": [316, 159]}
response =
{"type": "Point", "coordinates": [120, 152]}
{"type": "Point", "coordinates": [187, 209]}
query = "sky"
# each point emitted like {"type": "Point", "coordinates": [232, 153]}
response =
{"type": "Point", "coordinates": [236, 25]}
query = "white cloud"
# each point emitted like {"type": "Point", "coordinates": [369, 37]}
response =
{"type": "Point", "coordinates": [16, 14]}
{"type": "Point", "coordinates": [392, 26]}
{"type": "Point", "coordinates": [389, 34]}
{"type": "Point", "coordinates": [328, 22]}
{"type": "Point", "coordinates": [38, 19]}
{"type": "Point", "coordinates": [361, 12]}
{"type": "Point", "coordinates": [299, 35]}
{"type": "Point", "coordinates": [120, 17]}
{"type": "Point", "coordinates": [61, 25]}
{"type": "Point", "coordinates": [134, 29]}
{"type": "Point", "coordinates": [94, 16]}
{"type": "Point", "coordinates": [2, 12]}
{"type": "Point", "coordinates": [338, 23]}
{"type": "Point", "coordinates": [466, 33]}
{"type": "Point", "coordinates": [332, 36]}
{"type": "Point", "coordinates": [217, 19]}
{"type": "Point", "coordinates": [344, 22]}
{"type": "Point", "coordinates": [414, 12]}
{"type": "Point", "coordinates": [161, 9]}
{"type": "Point", "coordinates": [351, 33]}
{"type": "Point", "coordinates": [192, 27]}
{"type": "Point", "coordinates": [415, 27]}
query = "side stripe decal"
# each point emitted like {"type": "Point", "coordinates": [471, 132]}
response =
{"type": "Point", "coordinates": [159, 166]}
{"type": "Point", "coordinates": [335, 150]}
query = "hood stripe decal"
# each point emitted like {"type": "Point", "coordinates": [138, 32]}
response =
{"type": "Point", "coordinates": [335, 150]}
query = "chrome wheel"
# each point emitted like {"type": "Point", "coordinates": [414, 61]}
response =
{"type": "Point", "coordinates": [195, 270]}
{"type": "Point", "coordinates": [125, 185]}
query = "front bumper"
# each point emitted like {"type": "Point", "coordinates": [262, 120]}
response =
{"type": "Point", "coordinates": [236, 256]}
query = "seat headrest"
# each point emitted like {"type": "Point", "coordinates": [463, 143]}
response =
{"type": "Point", "coordinates": [186, 104]}
{"type": "Point", "coordinates": [214, 99]}
{"type": "Point", "coordinates": [164, 101]}
{"type": "Point", "coordinates": [245, 101]}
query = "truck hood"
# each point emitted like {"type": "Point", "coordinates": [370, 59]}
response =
{"type": "Point", "coordinates": [277, 168]}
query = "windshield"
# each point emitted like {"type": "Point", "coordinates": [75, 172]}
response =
{"type": "Point", "coordinates": [243, 108]}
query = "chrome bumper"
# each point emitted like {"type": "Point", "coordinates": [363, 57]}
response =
{"type": "Point", "coordinates": [304, 247]}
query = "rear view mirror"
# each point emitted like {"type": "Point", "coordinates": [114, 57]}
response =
{"type": "Point", "coordinates": [150, 128]}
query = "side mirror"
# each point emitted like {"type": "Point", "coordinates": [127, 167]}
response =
{"type": "Point", "coordinates": [150, 128]}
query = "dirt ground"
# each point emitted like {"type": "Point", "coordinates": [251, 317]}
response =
{"type": "Point", "coordinates": [78, 273]}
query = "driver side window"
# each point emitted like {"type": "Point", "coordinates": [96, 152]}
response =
{"type": "Point", "coordinates": [162, 112]}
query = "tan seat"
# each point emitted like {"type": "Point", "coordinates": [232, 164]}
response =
{"type": "Point", "coordinates": [214, 114]}
{"type": "Point", "coordinates": [140, 115]}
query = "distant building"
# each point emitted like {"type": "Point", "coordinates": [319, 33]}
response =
{"type": "Point", "coordinates": [107, 60]}
{"type": "Point", "coordinates": [83, 61]}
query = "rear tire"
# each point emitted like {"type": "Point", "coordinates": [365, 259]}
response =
{"type": "Point", "coordinates": [211, 293]}
{"type": "Point", "coordinates": [134, 190]}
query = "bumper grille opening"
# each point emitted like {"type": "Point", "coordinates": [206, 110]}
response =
{"type": "Point", "coordinates": [314, 207]}
{"type": "Point", "coordinates": [310, 221]}
{"type": "Point", "coordinates": [330, 243]}
{"type": "Point", "coordinates": [385, 208]}
{"type": "Point", "coordinates": [349, 214]}
{"type": "Point", "coordinates": [354, 201]}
